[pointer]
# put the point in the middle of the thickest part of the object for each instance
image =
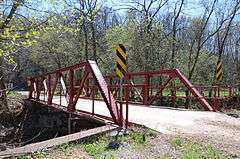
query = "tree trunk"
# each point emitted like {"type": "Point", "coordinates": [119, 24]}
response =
{"type": "Point", "coordinates": [238, 75]}
{"type": "Point", "coordinates": [94, 44]}
{"type": "Point", "coordinates": [173, 46]}
{"type": "Point", "coordinates": [4, 110]}
{"type": "Point", "coordinates": [85, 39]}
{"type": "Point", "coordinates": [174, 38]}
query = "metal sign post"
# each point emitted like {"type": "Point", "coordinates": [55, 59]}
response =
{"type": "Point", "coordinates": [120, 70]}
{"type": "Point", "coordinates": [121, 100]}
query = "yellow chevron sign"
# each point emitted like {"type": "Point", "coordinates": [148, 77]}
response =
{"type": "Point", "coordinates": [121, 59]}
{"type": "Point", "coordinates": [219, 71]}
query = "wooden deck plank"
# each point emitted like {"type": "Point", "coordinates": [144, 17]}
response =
{"type": "Point", "coordinates": [56, 141]}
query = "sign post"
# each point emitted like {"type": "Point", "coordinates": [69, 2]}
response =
{"type": "Point", "coordinates": [120, 71]}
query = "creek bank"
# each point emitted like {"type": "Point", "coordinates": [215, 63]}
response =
{"type": "Point", "coordinates": [31, 122]}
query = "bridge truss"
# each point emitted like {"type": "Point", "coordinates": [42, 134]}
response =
{"type": "Point", "coordinates": [85, 80]}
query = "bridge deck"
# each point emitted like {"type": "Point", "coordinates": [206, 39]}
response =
{"type": "Point", "coordinates": [169, 121]}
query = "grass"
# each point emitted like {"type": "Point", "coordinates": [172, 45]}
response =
{"type": "Point", "coordinates": [98, 147]}
{"type": "Point", "coordinates": [58, 150]}
{"type": "Point", "coordinates": [193, 150]}
{"type": "Point", "coordinates": [166, 156]}
{"type": "Point", "coordinates": [204, 93]}
{"type": "Point", "coordinates": [14, 94]}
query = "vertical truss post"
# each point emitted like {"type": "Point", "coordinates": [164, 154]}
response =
{"type": "Point", "coordinates": [87, 87]}
{"type": "Point", "coordinates": [45, 89]}
{"type": "Point", "coordinates": [146, 90]}
{"type": "Point", "coordinates": [126, 99]}
{"type": "Point", "coordinates": [34, 88]}
{"type": "Point", "coordinates": [30, 86]}
{"type": "Point", "coordinates": [174, 95]}
{"type": "Point", "coordinates": [42, 83]}
{"type": "Point", "coordinates": [49, 90]}
{"type": "Point", "coordinates": [121, 113]}
{"type": "Point", "coordinates": [38, 88]}
{"type": "Point", "coordinates": [52, 90]}
{"type": "Point", "coordinates": [71, 90]}
{"type": "Point", "coordinates": [93, 98]}
{"type": "Point", "coordinates": [59, 82]}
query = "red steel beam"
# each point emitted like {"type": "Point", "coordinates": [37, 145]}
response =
{"type": "Point", "coordinates": [73, 67]}
{"type": "Point", "coordinates": [80, 89]}
{"type": "Point", "coordinates": [161, 88]}
{"type": "Point", "coordinates": [71, 106]}
{"type": "Point", "coordinates": [106, 94]}
{"type": "Point", "coordinates": [194, 91]}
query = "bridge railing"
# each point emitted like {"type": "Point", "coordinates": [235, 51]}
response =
{"type": "Point", "coordinates": [64, 87]}
{"type": "Point", "coordinates": [174, 95]}
{"type": "Point", "coordinates": [157, 88]}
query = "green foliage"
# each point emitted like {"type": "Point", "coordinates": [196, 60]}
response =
{"type": "Point", "coordinates": [12, 39]}
{"type": "Point", "coordinates": [14, 94]}
{"type": "Point", "coordinates": [56, 46]}
{"type": "Point", "coordinates": [65, 147]}
{"type": "Point", "coordinates": [166, 156]}
{"type": "Point", "coordinates": [96, 148]}
{"type": "Point", "coordinates": [114, 36]}
{"type": "Point", "coordinates": [177, 142]}
{"type": "Point", "coordinates": [118, 35]}
{"type": "Point", "coordinates": [190, 150]}
{"type": "Point", "coordinates": [22, 157]}
{"type": "Point", "coordinates": [40, 154]}
{"type": "Point", "coordinates": [137, 137]}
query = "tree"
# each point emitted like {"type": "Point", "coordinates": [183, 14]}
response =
{"type": "Point", "coordinates": [223, 34]}
{"type": "Point", "coordinates": [5, 36]}
{"type": "Point", "coordinates": [86, 12]}
{"type": "Point", "coordinates": [58, 45]}
{"type": "Point", "coordinates": [16, 32]}
{"type": "Point", "coordinates": [176, 14]}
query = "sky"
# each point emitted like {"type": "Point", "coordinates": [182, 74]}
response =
{"type": "Point", "coordinates": [192, 7]}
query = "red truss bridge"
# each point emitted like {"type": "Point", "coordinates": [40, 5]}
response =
{"type": "Point", "coordinates": [81, 87]}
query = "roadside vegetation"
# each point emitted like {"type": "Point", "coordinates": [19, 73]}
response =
{"type": "Point", "coordinates": [138, 143]}
{"type": "Point", "coordinates": [105, 146]}
{"type": "Point", "coordinates": [194, 150]}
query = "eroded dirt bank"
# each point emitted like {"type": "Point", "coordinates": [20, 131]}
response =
{"type": "Point", "coordinates": [32, 123]}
